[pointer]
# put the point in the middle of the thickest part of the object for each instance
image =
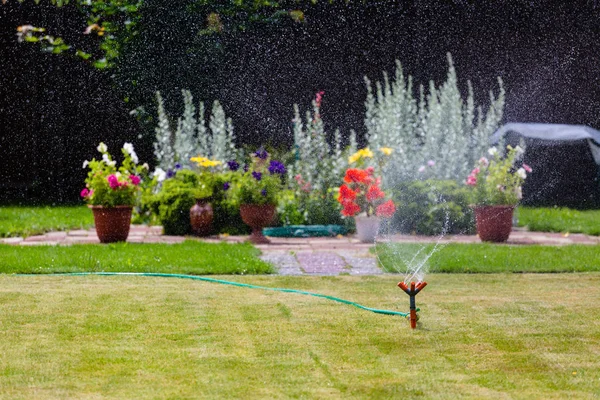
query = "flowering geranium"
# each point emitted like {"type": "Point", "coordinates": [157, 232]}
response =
{"type": "Point", "coordinates": [109, 186]}
{"type": "Point", "coordinates": [257, 183]}
{"type": "Point", "coordinates": [361, 193]}
{"type": "Point", "coordinates": [499, 180]}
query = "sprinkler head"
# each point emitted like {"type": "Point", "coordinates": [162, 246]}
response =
{"type": "Point", "coordinates": [414, 289]}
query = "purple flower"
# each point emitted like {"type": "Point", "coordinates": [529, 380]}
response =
{"type": "Point", "coordinates": [257, 175]}
{"type": "Point", "coordinates": [276, 167]}
{"type": "Point", "coordinates": [245, 167]}
{"type": "Point", "coordinates": [170, 173]}
{"type": "Point", "coordinates": [233, 165]}
{"type": "Point", "coordinates": [261, 153]}
{"type": "Point", "coordinates": [263, 192]}
{"type": "Point", "coordinates": [226, 186]}
{"type": "Point", "coordinates": [178, 166]}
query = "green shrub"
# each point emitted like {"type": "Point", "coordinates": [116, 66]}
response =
{"type": "Point", "coordinates": [171, 205]}
{"type": "Point", "coordinates": [432, 207]}
{"type": "Point", "coordinates": [226, 208]}
{"type": "Point", "coordinates": [309, 208]}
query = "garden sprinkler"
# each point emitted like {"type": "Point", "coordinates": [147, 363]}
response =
{"type": "Point", "coordinates": [412, 292]}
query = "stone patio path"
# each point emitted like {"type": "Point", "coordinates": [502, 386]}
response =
{"type": "Point", "coordinates": [306, 256]}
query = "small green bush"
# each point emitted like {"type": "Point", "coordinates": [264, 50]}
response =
{"type": "Point", "coordinates": [432, 207]}
{"type": "Point", "coordinates": [171, 205]}
{"type": "Point", "coordinates": [226, 208]}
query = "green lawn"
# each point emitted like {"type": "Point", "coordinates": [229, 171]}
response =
{"type": "Point", "coordinates": [27, 221]}
{"type": "Point", "coordinates": [560, 220]}
{"type": "Point", "coordinates": [487, 258]}
{"type": "Point", "coordinates": [189, 257]}
{"type": "Point", "coordinates": [480, 336]}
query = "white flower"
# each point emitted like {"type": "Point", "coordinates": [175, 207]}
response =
{"type": "Point", "coordinates": [484, 161]}
{"type": "Point", "coordinates": [145, 166]}
{"type": "Point", "coordinates": [519, 151]}
{"type": "Point", "coordinates": [108, 161]}
{"type": "Point", "coordinates": [492, 151]}
{"type": "Point", "coordinates": [102, 148]}
{"type": "Point", "coordinates": [85, 163]}
{"type": "Point", "coordinates": [521, 172]}
{"type": "Point", "coordinates": [160, 174]}
{"type": "Point", "coordinates": [129, 149]}
{"type": "Point", "coordinates": [519, 192]}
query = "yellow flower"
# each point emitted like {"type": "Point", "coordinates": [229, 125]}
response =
{"type": "Point", "coordinates": [205, 162]}
{"type": "Point", "coordinates": [362, 153]}
{"type": "Point", "coordinates": [353, 158]}
{"type": "Point", "coordinates": [386, 150]}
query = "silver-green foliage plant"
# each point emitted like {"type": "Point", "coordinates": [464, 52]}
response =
{"type": "Point", "coordinates": [440, 130]}
{"type": "Point", "coordinates": [319, 165]}
{"type": "Point", "coordinates": [192, 138]}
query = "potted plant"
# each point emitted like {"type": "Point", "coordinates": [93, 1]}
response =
{"type": "Point", "coordinates": [362, 198]}
{"type": "Point", "coordinates": [256, 188]}
{"type": "Point", "coordinates": [202, 213]}
{"type": "Point", "coordinates": [111, 192]}
{"type": "Point", "coordinates": [497, 188]}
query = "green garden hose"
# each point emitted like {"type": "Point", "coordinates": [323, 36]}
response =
{"type": "Point", "coordinates": [246, 285]}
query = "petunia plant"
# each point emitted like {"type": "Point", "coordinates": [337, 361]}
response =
{"type": "Point", "coordinates": [498, 180]}
{"type": "Point", "coordinates": [260, 182]}
{"type": "Point", "coordinates": [361, 194]}
{"type": "Point", "coordinates": [108, 185]}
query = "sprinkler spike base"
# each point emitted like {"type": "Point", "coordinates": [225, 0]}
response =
{"type": "Point", "coordinates": [414, 289]}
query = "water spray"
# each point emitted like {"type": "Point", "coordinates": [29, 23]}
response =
{"type": "Point", "coordinates": [412, 292]}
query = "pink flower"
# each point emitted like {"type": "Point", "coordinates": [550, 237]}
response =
{"type": "Point", "coordinates": [298, 178]}
{"type": "Point", "coordinates": [484, 161]}
{"type": "Point", "coordinates": [319, 98]}
{"type": "Point", "coordinates": [370, 170]}
{"type": "Point", "coordinates": [113, 181]}
{"type": "Point", "coordinates": [475, 171]}
{"type": "Point", "coordinates": [527, 168]}
{"type": "Point", "coordinates": [85, 193]}
{"type": "Point", "coordinates": [472, 180]}
{"type": "Point", "coordinates": [431, 163]}
{"type": "Point", "coordinates": [135, 180]}
{"type": "Point", "coordinates": [421, 168]}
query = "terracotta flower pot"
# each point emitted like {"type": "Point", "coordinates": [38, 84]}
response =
{"type": "Point", "coordinates": [494, 223]}
{"type": "Point", "coordinates": [201, 218]}
{"type": "Point", "coordinates": [257, 217]}
{"type": "Point", "coordinates": [112, 223]}
{"type": "Point", "coordinates": [367, 228]}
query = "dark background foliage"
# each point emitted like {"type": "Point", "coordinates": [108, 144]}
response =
{"type": "Point", "coordinates": [54, 109]}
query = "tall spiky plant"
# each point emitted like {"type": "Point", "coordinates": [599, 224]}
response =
{"type": "Point", "coordinates": [192, 138]}
{"type": "Point", "coordinates": [441, 127]}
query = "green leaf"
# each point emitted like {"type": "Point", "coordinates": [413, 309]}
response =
{"type": "Point", "coordinates": [83, 54]}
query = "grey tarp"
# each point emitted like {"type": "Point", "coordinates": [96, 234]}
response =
{"type": "Point", "coordinates": [565, 161]}
{"type": "Point", "coordinates": [553, 134]}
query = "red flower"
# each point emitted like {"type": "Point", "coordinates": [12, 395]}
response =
{"type": "Point", "coordinates": [346, 194]}
{"type": "Point", "coordinates": [356, 175]}
{"type": "Point", "coordinates": [374, 193]}
{"type": "Point", "coordinates": [386, 209]}
{"type": "Point", "coordinates": [350, 209]}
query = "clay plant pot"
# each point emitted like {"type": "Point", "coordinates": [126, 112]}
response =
{"type": "Point", "coordinates": [367, 228]}
{"type": "Point", "coordinates": [494, 223]}
{"type": "Point", "coordinates": [201, 218]}
{"type": "Point", "coordinates": [257, 217]}
{"type": "Point", "coordinates": [112, 223]}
